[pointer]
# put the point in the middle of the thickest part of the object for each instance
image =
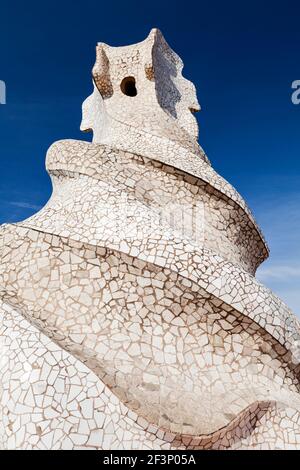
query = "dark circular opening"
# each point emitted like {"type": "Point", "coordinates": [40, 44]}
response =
{"type": "Point", "coordinates": [128, 86]}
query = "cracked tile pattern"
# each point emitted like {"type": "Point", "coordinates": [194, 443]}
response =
{"type": "Point", "coordinates": [130, 314]}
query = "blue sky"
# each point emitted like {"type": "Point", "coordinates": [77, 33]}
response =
{"type": "Point", "coordinates": [243, 58]}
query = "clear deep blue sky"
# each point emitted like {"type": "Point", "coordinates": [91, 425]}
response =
{"type": "Point", "coordinates": [242, 56]}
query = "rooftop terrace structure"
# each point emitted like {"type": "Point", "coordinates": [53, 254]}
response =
{"type": "Point", "coordinates": [131, 317]}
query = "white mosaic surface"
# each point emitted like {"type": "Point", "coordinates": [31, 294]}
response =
{"type": "Point", "coordinates": [131, 317]}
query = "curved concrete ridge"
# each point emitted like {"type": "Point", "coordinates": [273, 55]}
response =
{"type": "Point", "coordinates": [204, 267]}
{"type": "Point", "coordinates": [246, 426]}
{"type": "Point", "coordinates": [219, 278]}
{"type": "Point", "coordinates": [248, 423]}
{"type": "Point", "coordinates": [64, 152]}
{"type": "Point", "coordinates": [123, 205]}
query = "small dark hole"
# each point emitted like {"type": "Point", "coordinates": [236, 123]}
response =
{"type": "Point", "coordinates": [128, 86]}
